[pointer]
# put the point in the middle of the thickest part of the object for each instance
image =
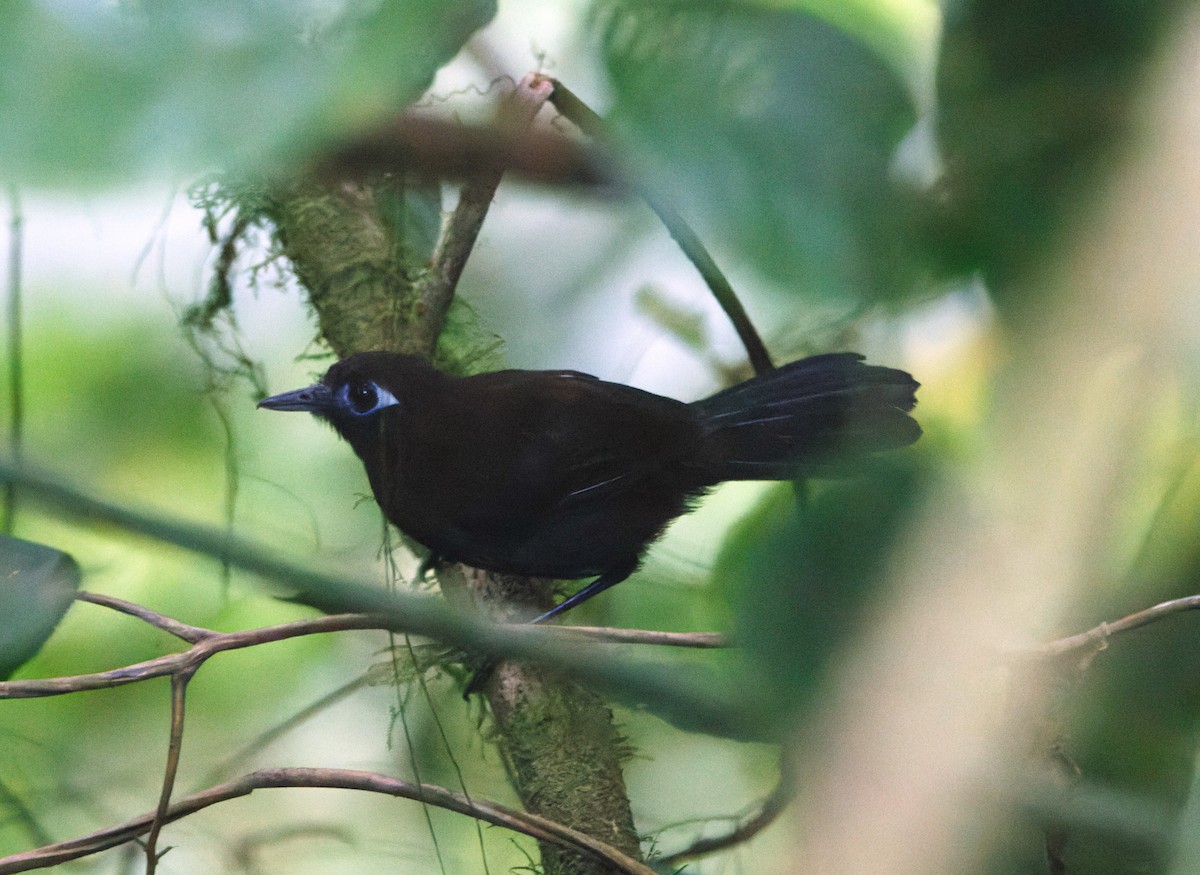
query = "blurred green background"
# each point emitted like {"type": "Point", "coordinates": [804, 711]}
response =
{"type": "Point", "coordinates": [997, 196]}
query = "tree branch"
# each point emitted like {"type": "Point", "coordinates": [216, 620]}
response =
{"type": "Point", "coordinates": [190, 634]}
{"type": "Point", "coordinates": [435, 291]}
{"type": "Point", "coordinates": [207, 643]}
{"type": "Point", "coordinates": [179, 682]}
{"type": "Point", "coordinates": [1097, 636]}
{"type": "Point", "coordinates": [540, 828]}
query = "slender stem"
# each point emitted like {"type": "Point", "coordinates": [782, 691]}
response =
{"type": "Point", "coordinates": [188, 633]}
{"type": "Point", "coordinates": [1097, 636]}
{"type": "Point", "coordinates": [738, 712]}
{"type": "Point", "coordinates": [768, 812]}
{"type": "Point", "coordinates": [179, 682]}
{"type": "Point", "coordinates": [588, 121]}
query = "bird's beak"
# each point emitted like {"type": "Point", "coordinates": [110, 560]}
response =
{"type": "Point", "coordinates": [314, 399]}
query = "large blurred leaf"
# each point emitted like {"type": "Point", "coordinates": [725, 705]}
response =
{"type": "Point", "coordinates": [37, 585]}
{"type": "Point", "coordinates": [773, 131]}
{"type": "Point", "coordinates": [802, 573]}
{"type": "Point", "coordinates": [96, 90]}
{"type": "Point", "coordinates": [1034, 96]}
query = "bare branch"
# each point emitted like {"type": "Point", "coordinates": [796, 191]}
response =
{"type": "Point", "coordinates": [190, 634]}
{"type": "Point", "coordinates": [612, 635]}
{"type": "Point", "coordinates": [1097, 636]}
{"type": "Point", "coordinates": [440, 147]}
{"type": "Point", "coordinates": [539, 828]}
{"type": "Point", "coordinates": [188, 660]}
{"type": "Point", "coordinates": [436, 289]}
{"type": "Point", "coordinates": [179, 684]}
{"type": "Point", "coordinates": [728, 711]}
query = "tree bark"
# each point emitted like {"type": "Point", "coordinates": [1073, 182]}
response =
{"type": "Point", "coordinates": [559, 740]}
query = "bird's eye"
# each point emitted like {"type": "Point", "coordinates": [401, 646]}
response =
{"type": "Point", "coordinates": [362, 397]}
{"type": "Point", "coordinates": [366, 396]}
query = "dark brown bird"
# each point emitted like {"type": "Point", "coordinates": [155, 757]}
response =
{"type": "Point", "coordinates": [560, 474]}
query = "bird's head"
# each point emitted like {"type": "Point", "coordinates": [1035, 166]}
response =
{"type": "Point", "coordinates": [352, 393]}
{"type": "Point", "coordinates": [347, 393]}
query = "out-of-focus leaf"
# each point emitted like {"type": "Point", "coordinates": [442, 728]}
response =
{"type": "Point", "coordinates": [896, 29]}
{"type": "Point", "coordinates": [1033, 98]}
{"type": "Point", "coordinates": [96, 91]}
{"type": "Point", "coordinates": [773, 131]}
{"type": "Point", "coordinates": [801, 573]}
{"type": "Point", "coordinates": [37, 585]}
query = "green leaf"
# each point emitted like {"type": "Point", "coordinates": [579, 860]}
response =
{"type": "Point", "coordinates": [96, 91]}
{"type": "Point", "coordinates": [37, 585]}
{"type": "Point", "coordinates": [801, 573]}
{"type": "Point", "coordinates": [773, 131]}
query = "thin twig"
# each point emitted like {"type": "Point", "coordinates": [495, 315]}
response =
{"type": "Point", "coordinates": [190, 634]}
{"type": "Point", "coordinates": [459, 236]}
{"type": "Point", "coordinates": [612, 635]}
{"type": "Point", "coordinates": [179, 682]}
{"type": "Point", "coordinates": [210, 643]}
{"type": "Point", "coordinates": [766, 814]}
{"type": "Point", "coordinates": [588, 121]}
{"type": "Point", "coordinates": [1098, 635]}
{"type": "Point", "coordinates": [539, 828]}
{"type": "Point", "coordinates": [187, 660]}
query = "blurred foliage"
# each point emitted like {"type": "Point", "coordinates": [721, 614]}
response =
{"type": "Point", "coordinates": [774, 126]}
{"type": "Point", "coordinates": [1035, 99]}
{"type": "Point", "coordinates": [774, 132]}
{"type": "Point", "coordinates": [37, 585]}
{"type": "Point", "coordinates": [804, 571]}
{"type": "Point", "coordinates": [98, 91]}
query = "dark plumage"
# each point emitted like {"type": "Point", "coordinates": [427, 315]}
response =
{"type": "Point", "coordinates": [559, 474]}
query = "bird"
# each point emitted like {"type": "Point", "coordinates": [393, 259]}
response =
{"type": "Point", "coordinates": [559, 474]}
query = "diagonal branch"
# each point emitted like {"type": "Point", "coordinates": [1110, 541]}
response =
{"type": "Point", "coordinates": [435, 292]}
{"type": "Point", "coordinates": [190, 634]}
{"type": "Point", "coordinates": [494, 813]}
{"type": "Point", "coordinates": [737, 712]}
{"type": "Point", "coordinates": [589, 121]}
{"type": "Point", "coordinates": [1097, 636]}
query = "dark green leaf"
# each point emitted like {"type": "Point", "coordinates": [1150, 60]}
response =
{"type": "Point", "coordinates": [97, 91]}
{"type": "Point", "coordinates": [1033, 98]}
{"type": "Point", "coordinates": [773, 131]}
{"type": "Point", "coordinates": [37, 585]}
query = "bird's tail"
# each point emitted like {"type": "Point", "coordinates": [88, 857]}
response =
{"type": "Point", "coordinates": [810, 417]}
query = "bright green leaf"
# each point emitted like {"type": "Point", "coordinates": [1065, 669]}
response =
{"type": "Point", "coordinates": [37, 585]}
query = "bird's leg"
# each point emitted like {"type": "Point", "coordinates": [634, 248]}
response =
{"type": "Point", "coordinates": [605, 581]}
